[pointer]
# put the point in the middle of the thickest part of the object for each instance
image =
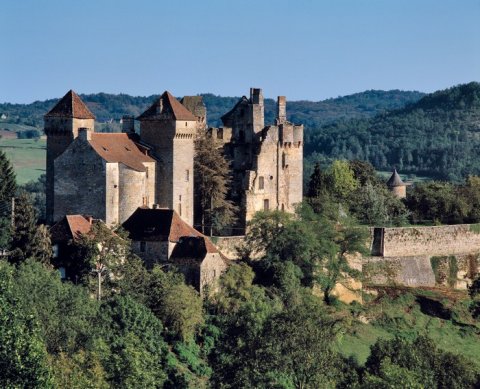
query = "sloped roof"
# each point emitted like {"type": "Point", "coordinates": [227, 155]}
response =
{"type": "Point", "coordinates": [71, 106]}
{"type": "Point", "coordinates": [147, 224]}
{"type": "Point", "coordinates": [194, 248]}
{"type": "Point", "coordinates": [70, 227]}
{"type": "Point", "coordinates": [395, 180]}
{"type": "Point", "coordinates": [167, 107]}
{"type": "Point", "coordinates": [118, 147]}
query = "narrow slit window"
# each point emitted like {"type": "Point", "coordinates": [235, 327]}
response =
{"type": "Point", "coordinates": [266, 205]}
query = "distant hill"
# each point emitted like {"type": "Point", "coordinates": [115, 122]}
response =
{"type": "Point", "coordinates": [437, 136]}
{"type": "Point", "coordinates": [311, 114]}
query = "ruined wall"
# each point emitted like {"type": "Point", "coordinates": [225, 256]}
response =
{"type": "Point", "coordinates": [80, 182]}
{"type": "Point", "coordinates": [228, 245]}
{"type": "Point", "coordinates": [438, 240]}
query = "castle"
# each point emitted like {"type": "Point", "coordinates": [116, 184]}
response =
{"type": "Point", "coordinates": [109, 175]}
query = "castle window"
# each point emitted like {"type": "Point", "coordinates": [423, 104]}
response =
{"type": "Point", "coordinates": [266, 205]}
{"type": "Point", "coordinates": [261, 183]}
{"type": "Point", "coordinates": [146, 172]}
{"type": "Point", "coordinates": [187, 175]}
{"type": "Point", "coordinates": [283, 207]}
{"type": "Point", "coordinates": [143, 247]}
{"type": "Point", "coordinates": [186, 124]}
{"type": "Point", "coordinates": [220, 133]}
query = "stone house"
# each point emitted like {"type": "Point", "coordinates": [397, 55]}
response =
{"type": "Point", "coordinates": [161, 236]}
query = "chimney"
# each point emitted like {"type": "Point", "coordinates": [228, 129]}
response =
{"type": "Point", "coordinates": [128, 124]}
{"type": "Point", "coordinates": [89, 219]}
{"type": "Point", "coordinates": [281, 109]}
{"type": "Point", "coordinates": [85, 133]}
{"type": "Point", "coordinates": [256, 96]}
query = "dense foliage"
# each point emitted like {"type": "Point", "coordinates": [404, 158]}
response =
{"type": "Point", "coordinates": [436, 136]}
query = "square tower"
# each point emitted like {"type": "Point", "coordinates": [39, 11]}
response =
{"type": "Point", "coordinates": [61, 125]}
{"type": "Point", "coordinates": [170, 128]}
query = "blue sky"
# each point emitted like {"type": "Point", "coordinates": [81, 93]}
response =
{"type": "Point", "coordinates": [302, 49]}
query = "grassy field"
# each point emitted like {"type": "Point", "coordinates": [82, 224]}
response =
{"type": "Point", "coordinates": [408, 313]}
{"type": "Point", "coordinates": [27, 157]}
{"type": "Point", "coordinates": [13, 127]}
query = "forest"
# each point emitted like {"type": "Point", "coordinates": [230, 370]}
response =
{"type": "Point", "coordinates": [437, 136]}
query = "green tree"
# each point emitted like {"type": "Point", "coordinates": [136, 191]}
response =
{"type": "Point", "coordinates": [28, 240]}
{"type": "Point", "coordinates": [214, 211]}
{"type": "Point", "coordinates": [98, 258]}
{"type": "Point", "coordinates": [420, 360]}
{"type": "Point", "coordinates": [340, 179]}
{"type": "Point", "coordinates": [65, 312]}
{"type": "Point", "coordinates": [23, 357]}
{"type": "Point", "coordinates": [176, 304]}
{"type": "Point", "coordinates": [317, 182]}
{"type": "Point", "coordinates": [8, 187]}
{"type": "Point", "coordinates": [317, 246]}
{"type": "Point", "coordinates": [474, 293]}
{"type": "Point", "coordinates": [297, 347]}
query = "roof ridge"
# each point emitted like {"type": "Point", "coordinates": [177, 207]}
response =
{"type": "Point", "coordinates": [71, 106]}
{"type": "Point", "coordinates": [163, 106]}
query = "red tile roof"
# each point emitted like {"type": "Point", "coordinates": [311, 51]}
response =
{"type": "Point", "coordinates": [118, 147]}
{"type": "Point", "coordinates": [71, 106]}
{"type": "Point", "coordinates": [147, 224]}
{"type": "Point", "coordinates": [167, 107]}
{"type": "Point", "coordinates": [70, 227]}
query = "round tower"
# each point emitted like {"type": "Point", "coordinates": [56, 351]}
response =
{"type": "Point", "coordinates": [397, 186]}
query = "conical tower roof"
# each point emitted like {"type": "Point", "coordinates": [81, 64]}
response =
{"type": "Point", "coordinates": [395, 180]}
{"type": "Point", "coordinates": [167, 107]}
{"type": "Point", "coordinates": [71, 106]}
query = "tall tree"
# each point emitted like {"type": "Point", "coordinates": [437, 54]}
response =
{"type": "Point", "coordinates": [28, 240]}
{"type": "Point", "coordinates": [212, 183]}
{"type": "Point", "coordinates": [23, 356]}
{"type": "Point", "coordinates": [8, 187]}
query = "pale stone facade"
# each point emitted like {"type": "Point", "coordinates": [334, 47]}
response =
{"type": "Point", "coordinates": [109, 175]}
{"type": "Point", "coordinates": [90, 183]}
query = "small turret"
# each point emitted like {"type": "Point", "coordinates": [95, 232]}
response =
{"type": "Point", "coordinates": [397, 186]}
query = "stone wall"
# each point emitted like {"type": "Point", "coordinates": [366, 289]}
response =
{"type": "Point", "coordinates": [60, 134]}
{"type": "Point", "coordinates": [438, 240]}
{"type": "Point", "coordinates": [228, 245]}
{"type": "Point", "coordinates": [80, 182]}
{"type": "Point", "coordinates": [152, 252]}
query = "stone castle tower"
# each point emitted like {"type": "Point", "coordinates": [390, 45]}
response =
{"type": "Point", "coordinates": [61, 127]}
{"type": "Point", "coordinates": [169, 129]}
